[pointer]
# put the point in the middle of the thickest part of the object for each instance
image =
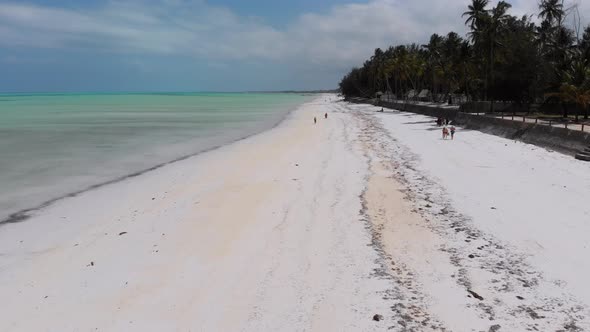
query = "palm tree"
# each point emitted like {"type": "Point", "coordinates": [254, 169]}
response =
{"type": "Point", "coordinates": [544, 35]}
{"type": "Point", "coordinates": [494, 29]}
{"type": "Point", "coordinates": [452, 59]}
{"type": "Point", "coordinates": [552, 11]}
{"type": "Point", "coordinates": [396, 66]}
{"type": "Point", "coordinates": [563, 52]}
{"type": "Point", "coordinates": [476, 11]}
{"type": "Point", "coordinates": [433, 57]}
{"type": "Point", "coordinates": [465, 58]}
{"type": "Point", "coordinates": [584, 45]}
{"type": "Point", "coordinates": [385, 68]}
{"type": "Point", "coordinates": [576, 87]}
{"type": "Point", "coordinates": [415, 66]}
{"type": "Point", "coordinates": [555, 42]}
{"type": "Point", "coordinates": [376, 68]}
{"type": "Point", "coordinates": [478, 18]}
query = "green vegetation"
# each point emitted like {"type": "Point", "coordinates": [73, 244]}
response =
{"type": "Point", "coordinates": [503, 58]}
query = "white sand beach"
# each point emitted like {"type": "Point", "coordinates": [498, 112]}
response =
{"type": "Point", "coordinates": [315, 228]}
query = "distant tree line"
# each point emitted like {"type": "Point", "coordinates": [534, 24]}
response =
{"type": "Point", "coordinates": [502, 58]}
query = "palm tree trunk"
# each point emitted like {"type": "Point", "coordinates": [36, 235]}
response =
{"type": "Point", "coordinates": [433, 91]}
{"type": "Point", "coordinates": [465, 81]}
{"type": "Point", "coordinates": [485, 82]}
{"type": "Point", "coordinates": [387, 83]}
{"type": "Point", "coordinates": [491, 85]}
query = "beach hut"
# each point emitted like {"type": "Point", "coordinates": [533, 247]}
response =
{"type": "Point", "coordinates": [424, 95]}
{"type": "Point", "coordinates": [388, 96]}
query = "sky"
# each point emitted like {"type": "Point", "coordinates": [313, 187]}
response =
{"type": "Point", "coordinates": [215, 45]}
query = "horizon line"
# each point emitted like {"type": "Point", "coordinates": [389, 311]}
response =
{"type": "Point", "coordinates": [169, 92]}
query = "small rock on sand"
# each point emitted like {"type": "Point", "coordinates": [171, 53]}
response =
{"type": "Point", "coordinates": [377, 317]}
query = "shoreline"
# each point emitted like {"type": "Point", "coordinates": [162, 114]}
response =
{"type": "Point", "coordinates": [25, 214]}
{"type": "Point", "coordinates": [259, 234]}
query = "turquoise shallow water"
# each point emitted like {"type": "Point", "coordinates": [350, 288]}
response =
{"type": "Point", "coordinates": [55, 144]}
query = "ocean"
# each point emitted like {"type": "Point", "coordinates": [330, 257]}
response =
{"type": "Point", "coordinates": [53, 145]}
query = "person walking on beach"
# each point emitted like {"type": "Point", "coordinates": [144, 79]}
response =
{"type": "Point", "coordinates": [315, 120]}
{"type": "Point", "coordinates": [452, 132]}
{"type": "Point", "coordinates": [325, 115]}
{"type": "Point", "coordinates": [445, 132]}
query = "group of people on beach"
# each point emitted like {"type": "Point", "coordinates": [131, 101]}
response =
{"type": "Point", "coordinates": [446, 131]}
{"type": "Point", "coordinates": [315, 120]}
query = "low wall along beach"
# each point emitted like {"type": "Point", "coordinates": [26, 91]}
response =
{"type": "Point", "coordinates": [558, 139]}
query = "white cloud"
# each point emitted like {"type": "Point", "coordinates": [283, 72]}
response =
{"type": "Point", "coordinates": [342, 37]}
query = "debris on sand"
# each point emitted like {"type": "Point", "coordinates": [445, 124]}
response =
{"type": "Point", "coordinates": [474, 294]}
{"type": "Point", "coordinates": [495, 328]}
{"type": "Point", "coordinates": [377, 317]}
{"type": "Point", "coordinates": [534, 314]}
